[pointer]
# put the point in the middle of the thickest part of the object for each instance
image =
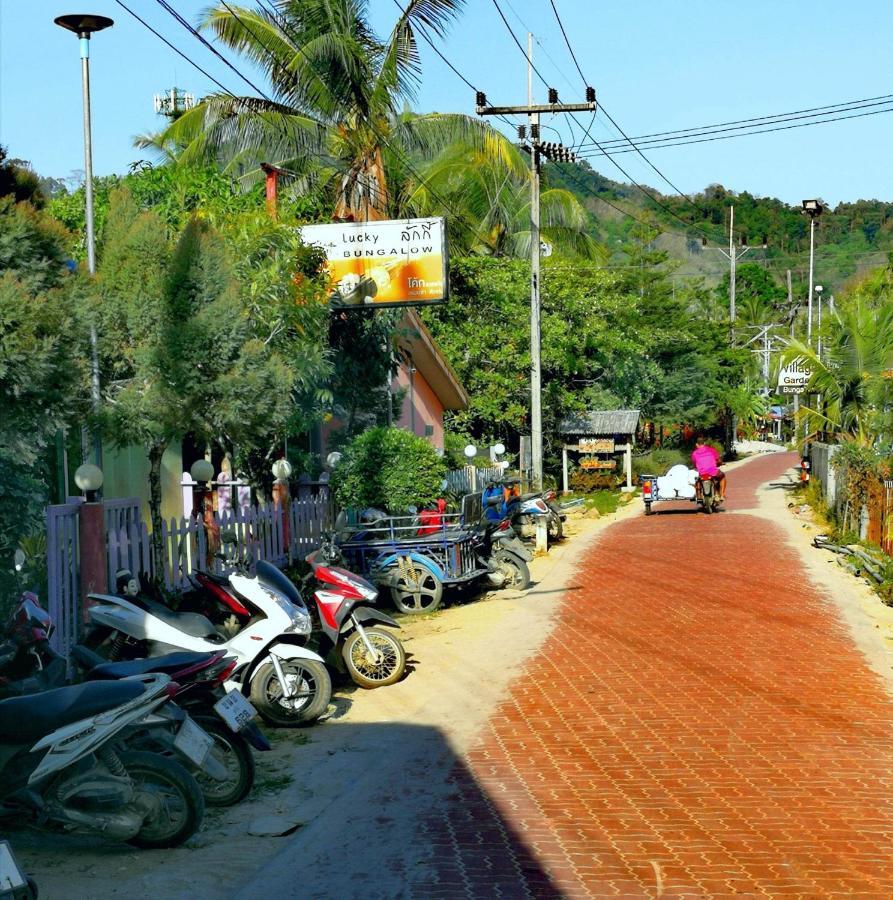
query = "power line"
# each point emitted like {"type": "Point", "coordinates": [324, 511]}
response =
{"type": "Point", "coordinates": [188, 26]}
{"type": "Point", "coordinates": [179, 52]}
{"type": "Point", "coordinates": [755, 121]}
{"type": "Point", "coordinates": [567, 41]}
{"type": "Point", "coordinates": [704, 140]}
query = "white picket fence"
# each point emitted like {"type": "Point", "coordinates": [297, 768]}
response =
{"type": "Point", "coordinates": [471, 479]}
{"type": "Point", "coordinates": [279, 535]}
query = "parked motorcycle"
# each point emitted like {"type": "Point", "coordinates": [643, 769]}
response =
{"type": "Point", "coordinates": [505, 557]}
{"type": "Point", "coordinates": [373, 657]}
{"type": "Point", "coordinates": [29, 665]}
{"type": "Point", "coordinates": [61, 764]}
{"type": "Point", "coordinates": [287, 683]}
{"type": "Point", "coordinates": [502, 499]}
{"type": "Point", "coordinates": [227, 718]}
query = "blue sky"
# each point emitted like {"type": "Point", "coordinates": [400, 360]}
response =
{"type": "Point", "coordinates": [656, 65]}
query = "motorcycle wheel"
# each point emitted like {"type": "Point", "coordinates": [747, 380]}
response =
{"type": "Point", "coordinates": [232, 751]}
{"type": "Point", "coordinates": [515, 570]}
{"type": "Point", "coordinates": [556, 526]}
{"type": "Point", "coordinates": [314, 692]}
{"type": "Point", "coordinates": [175, 802]}
{"type": "Point", "coordinates": [422, 592]}
{"type": "Point", "coordinates": [368, 673]}
{"type": "Point", "coordinates": [708, 503]}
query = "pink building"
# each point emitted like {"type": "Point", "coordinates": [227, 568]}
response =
{"type": "Point", "coordinates": [429, 383]}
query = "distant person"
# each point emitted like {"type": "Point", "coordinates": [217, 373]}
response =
{"type": "Point", "coordinates": [706, 461]}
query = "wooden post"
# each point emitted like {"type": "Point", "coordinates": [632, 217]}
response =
{"type": "Point", "coordinates": [564, 468]}
{"type": "Point", "coordinates": [628, 465]}
{"type": "Point", "coordinates": [272, 188]}
{"type": "Point", "coordinates": [93, 552]}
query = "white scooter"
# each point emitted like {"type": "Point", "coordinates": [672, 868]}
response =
{"type": "Point", "coordinates": [61, 764]}
{"type": "Point", "coordinates": [288, 683]}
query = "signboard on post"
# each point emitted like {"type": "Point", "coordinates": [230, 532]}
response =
{"type": "Point", "coordinates": [793, 379]}
{"type": "Point", "coordinates": [391, 263]}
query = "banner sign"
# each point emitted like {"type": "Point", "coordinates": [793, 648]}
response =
{"type": "Point", "coordinates": [596, 445]}
{"type": "Point", "coordinates": [593, 462]}
{"type": "Point", "coordinates": [391, 263]}
{"type": "Point", "coordinates": [793, 379]}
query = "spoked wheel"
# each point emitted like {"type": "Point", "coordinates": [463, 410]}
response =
{"type": "Point", "coordinates": [309, 687]}
{"type": "Point", "coordinates": [416, 589]}
{"type": "Point", "coordinates": [514, 569]}
{"type": "Point", "coordinates": [371, 671]}
{"type": "Point", "coordinates": [231, 750]}
{"type": "Point", "coordinates": [708, 502]}
{"type": "Point", "coordinates": [169, 796]}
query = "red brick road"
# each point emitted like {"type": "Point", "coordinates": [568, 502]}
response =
{"type": "Point", "coordinates": [698, 724]}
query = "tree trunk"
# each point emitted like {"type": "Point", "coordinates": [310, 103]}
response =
{"type": "Point", "coordinates": [156, 452]}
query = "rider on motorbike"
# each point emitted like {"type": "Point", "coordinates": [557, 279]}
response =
{"type": "Point", "coordinates": [707, 461]}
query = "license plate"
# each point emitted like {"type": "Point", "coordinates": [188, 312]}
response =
{"type": "Point", "coordinates": [193, 742]}
{"type": "Point", "coordinates": [235, 710]}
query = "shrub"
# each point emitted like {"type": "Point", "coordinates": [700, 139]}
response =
{"type": "Point", "coordinates": [659, 462]}
{"type": "Point", "coordinates": [388, 468]}
{"type": "Point", "coordinates": [585, 482]}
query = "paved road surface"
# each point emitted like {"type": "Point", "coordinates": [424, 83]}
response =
{"type": "Point", "coordinates": [698, 724]}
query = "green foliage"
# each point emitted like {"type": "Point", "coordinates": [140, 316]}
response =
{"type": "Point", "coordinates": [42, 374]}
{"type": "Point", "coordinates": [388, 468]}
{"type": "Point", "coordinates": [18, 181]}
{"type": "Point", "coordinates": [32, 246]}
{"type": "Point", "coordinates": [583, 481]}
{"type": "Point", "coordinates": [608, 342]}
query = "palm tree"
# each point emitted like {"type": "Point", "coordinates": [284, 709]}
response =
{"type": "Point", "coordinates": [335, 119]}
{"type": "Point", "coordinates": [853, 379]}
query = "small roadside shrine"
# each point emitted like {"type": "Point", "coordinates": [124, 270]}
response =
{"type": "Point", "coordinates": [598, 439]}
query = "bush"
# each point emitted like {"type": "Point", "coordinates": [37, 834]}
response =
{"type": "Point", "coordinates": [388, 468]}
{"type": "Point", "coordinates": [585, 482]}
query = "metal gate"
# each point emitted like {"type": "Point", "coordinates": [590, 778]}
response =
{"type": "Point", "coordinates": [63, 575]}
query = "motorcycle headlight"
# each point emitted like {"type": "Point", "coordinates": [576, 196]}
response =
{"type": "Point", "coordinates": [300, 622]}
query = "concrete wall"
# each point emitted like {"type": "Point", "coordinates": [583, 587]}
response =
{"type": "Point", "coordinates": [421, 406]}
{"type": "Point", "coordinates": [126, 471]}
{"type": "Point", "coordinates": [820, 457]}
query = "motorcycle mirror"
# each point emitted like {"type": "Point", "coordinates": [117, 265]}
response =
{"type": "Point", "coordinates": [19, 559]}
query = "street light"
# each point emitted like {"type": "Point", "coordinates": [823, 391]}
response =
{"type": "Point", "coordinates": [813, 209]}
{"type": "Point", "coordinates": [84, 25]}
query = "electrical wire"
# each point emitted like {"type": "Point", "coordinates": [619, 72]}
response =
{"type": "Point", "coordinates": [756, 121]}
{"type": "Point", "coordinates": [179, 52]}
{"type": "Point", "coordinates": [200, 37]}
{"type": "Point", "coordinates": [610, 153]}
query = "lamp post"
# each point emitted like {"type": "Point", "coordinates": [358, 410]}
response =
{"type": "Point", "coordinates": [92, 548]}
{"type": "Point", "coordinates": [84, 25]}
{"type": "Point", "coordinates": [813, 209]}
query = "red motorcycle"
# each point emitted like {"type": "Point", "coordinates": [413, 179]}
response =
{"type": "Point", "coordinates": [373, 657]}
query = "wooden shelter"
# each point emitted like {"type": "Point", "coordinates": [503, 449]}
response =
{"type": "Point", "coordinates": [599, 437]}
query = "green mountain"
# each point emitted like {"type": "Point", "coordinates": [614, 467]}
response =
{"type": "Point", "coordinates": [851, 238]}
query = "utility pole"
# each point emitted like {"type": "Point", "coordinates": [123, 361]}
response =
{"type": "Point", "coordinates": [555, 153]}
{"type": "Point", "coordinates": [732, 256]}
{"type": "Point", "coordinates": [793, 319]}
{"type": "Point", "coordinates": [812, 208]}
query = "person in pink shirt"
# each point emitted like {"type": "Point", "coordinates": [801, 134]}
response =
{"type": "Point", "coordinates": [707, 461]}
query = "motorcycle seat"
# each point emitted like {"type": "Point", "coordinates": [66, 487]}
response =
{"type": "Point", "coordinates": [168, 664]}
{"type": "Point", "coordinates": [27, 719]}
{"type": "Point", "coordinates": [217, 579]}
{"type": "Point", "coordinates": [193, 624]}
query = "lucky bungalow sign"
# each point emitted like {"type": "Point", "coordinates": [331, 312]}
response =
{"type": "Point", "coordinates": [793, 379]}
{"type": "Point", "coordinates": [392, 263]}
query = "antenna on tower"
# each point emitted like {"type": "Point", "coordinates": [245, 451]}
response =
{"type": "Point", "coordinates": [173, 103]}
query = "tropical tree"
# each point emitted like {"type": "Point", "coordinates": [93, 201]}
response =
{"type": "Point", "coordinates": [852, 379]}
{"type": "Point", "coordinates": [335, 120]}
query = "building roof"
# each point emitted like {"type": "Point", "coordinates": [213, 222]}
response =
{"type": "Point", "coordinates": [428, 358]}
{"type": "Point", "coordinates": [601, 421]}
